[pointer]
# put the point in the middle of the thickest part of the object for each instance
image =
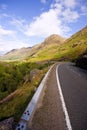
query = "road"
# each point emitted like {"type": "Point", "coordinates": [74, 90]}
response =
{"type": "Point", "coordinates": [50, 112]}
{"type": "Point", "coordinates": [73, 82]}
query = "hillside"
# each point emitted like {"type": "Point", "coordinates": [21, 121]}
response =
{"type": "Point", "coordinates": [16, 54]}
{"type": "Point", "coordinates": [71, 48]}
{"type": "Point", "coordinates": [19, 80]}
{"type": "Point", "coordinates": [54, 39]}
{"type": "Point", "coordinates": [19, 54]}
{"type": "Point", "coordinates": [52, 48]}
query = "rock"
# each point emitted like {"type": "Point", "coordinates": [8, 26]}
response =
{"type": "Point", "coordinates": [34, 73]}
{"type": "Point", "coordinates": [7, 124]}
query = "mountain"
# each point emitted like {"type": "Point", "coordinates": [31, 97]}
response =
{"type": "Point", "coordinates": [19, 80]}
{"type": "Point", "coordinates": [74, 47]}
{"type": "Point", "coordinates": [53, 48]}
{"type": "Point", "coordinates": [70, 50]}
{"type": "Point", "coordinates": [18, 54]}
{"type": "Point", "coordinates": [54, 39]}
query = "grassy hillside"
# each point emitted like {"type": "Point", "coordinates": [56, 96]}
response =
{"type": "Point", "coordinates": [19, 79]}
{"type": "Point", "coordinates": [16, 54]}
{"type": "Point", "coordinates": [52, 41]}
{"type": "Point", "coordinates": [71, 49]}
{"type": "Point", "coordinates": [48, 49]}
{"type": "Point", "coordinates": [74, 46]}
{"type": "Point", "coordinates": [18, 82]}
{"type": "Point", "coordinates": [53, 48]}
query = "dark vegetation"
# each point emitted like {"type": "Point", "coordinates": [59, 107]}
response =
{"type": "Point", "coordinates": [81, 61]}
{"type": "Point", "coordinates": [12, 75]}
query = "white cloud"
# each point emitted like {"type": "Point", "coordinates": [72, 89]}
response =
{"type": "Point", "coordinates": [70, 3]}
{"type": "Point", "coordinates": [43, 1]}
{"type": "Point", "coordinates": [4, 32]}
{"type": "Point", "coordinates": [67, 3]}
{"type": "Point", "coordinates": [55, 20]}
{"type": "Point", "coordinates": [47, 23]}
{"type": "Point", "coordinates": [1, 45]}
{"type": "Point", "coordinates": [6, 15]}
{"type": "Point", "coordinates": [19, 23]}
{"type": "Point", "coordinates": [9, 45]}
{"type": "Point", "coordinates": [70, 16]}
{"type": "Point", "coordinates": [9, 40]}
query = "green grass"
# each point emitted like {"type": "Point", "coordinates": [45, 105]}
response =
{"type": "Point", "coordinates": [46, 53]}
{"type": "Point", "coordinates": [54, 48]}
{"type": "Point", "coordinates": [71, 49]}
{"type": "Point", "coordinates": [16, 106]}
{"type": "Point", "coordinates": [24, 91]}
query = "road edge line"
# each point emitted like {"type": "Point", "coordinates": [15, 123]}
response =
{"type": "Point", "coordinates": [67, 119]}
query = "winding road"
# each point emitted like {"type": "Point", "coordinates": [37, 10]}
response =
{"type": "Point", "coordinates": [62, 103]}
{"type": "Point", "coordinates": [73, 83]}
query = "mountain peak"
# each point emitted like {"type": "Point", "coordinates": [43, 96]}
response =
{"type": "Point", "coordinates": [54, 38]}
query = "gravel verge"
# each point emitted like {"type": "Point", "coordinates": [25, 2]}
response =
{"type": "Point", "coordinates": [48, 114]}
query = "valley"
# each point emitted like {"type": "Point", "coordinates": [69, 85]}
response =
{"type": "Point", "coordinates": [21, 70]}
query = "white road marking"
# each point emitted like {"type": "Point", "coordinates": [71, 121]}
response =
{"type": "Point", "coordinates": [67, 119]}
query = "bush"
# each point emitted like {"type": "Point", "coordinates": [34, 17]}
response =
{"type": "Point", "coordinates": [12, 75]}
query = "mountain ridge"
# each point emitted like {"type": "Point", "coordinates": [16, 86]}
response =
{"type": "Point", "coordinates": [70, 50]}
{"type": "Point", "coordinates": [16, 54]}
{"type": "Point", "coordinates": [53, 47]}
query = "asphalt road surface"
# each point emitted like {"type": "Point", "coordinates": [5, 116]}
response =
{"type": "Point", "coordinates": [49, 113]}
{"type": "Point", "coordinates": [73, 83]}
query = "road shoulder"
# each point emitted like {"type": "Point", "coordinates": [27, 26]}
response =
{"type": "Point", "coordinates": [48, 113]}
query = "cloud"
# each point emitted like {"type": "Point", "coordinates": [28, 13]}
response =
{"type": "Point", "coordinates": [9, 40]}
{"type": "Point", "coordinates": [70, 3]}
{"type": "Point", "coordinates": [43, 1]}
{"type": "Point", "coordinates": [58, 19]}
{"type": "Point", "coordinates": [19, 23]}
{"type": "Point", "coordinates": [67, 3]}
{"type": "Point", "coordinates": [4, 15]}
{"type": "Point", "coordinates": [70, 16]}
{"type": "Point", "coordinates": [10, 44]}
{"type": "Point", "coordinates": [55, 20]}
{"type": "Point", "coordinates": [44, 25]}
{"type": "Point", "coordinates": [4, 32]}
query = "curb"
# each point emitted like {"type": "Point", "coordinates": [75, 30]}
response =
{"type": "Point", "coordinates": [25, 118]}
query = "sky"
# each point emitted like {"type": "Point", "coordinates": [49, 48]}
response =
{"type": "Point", "coordinates": [24, 23]}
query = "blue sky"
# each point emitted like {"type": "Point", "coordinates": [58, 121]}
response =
{"type": "Point", "coordinates": [24, 23]}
